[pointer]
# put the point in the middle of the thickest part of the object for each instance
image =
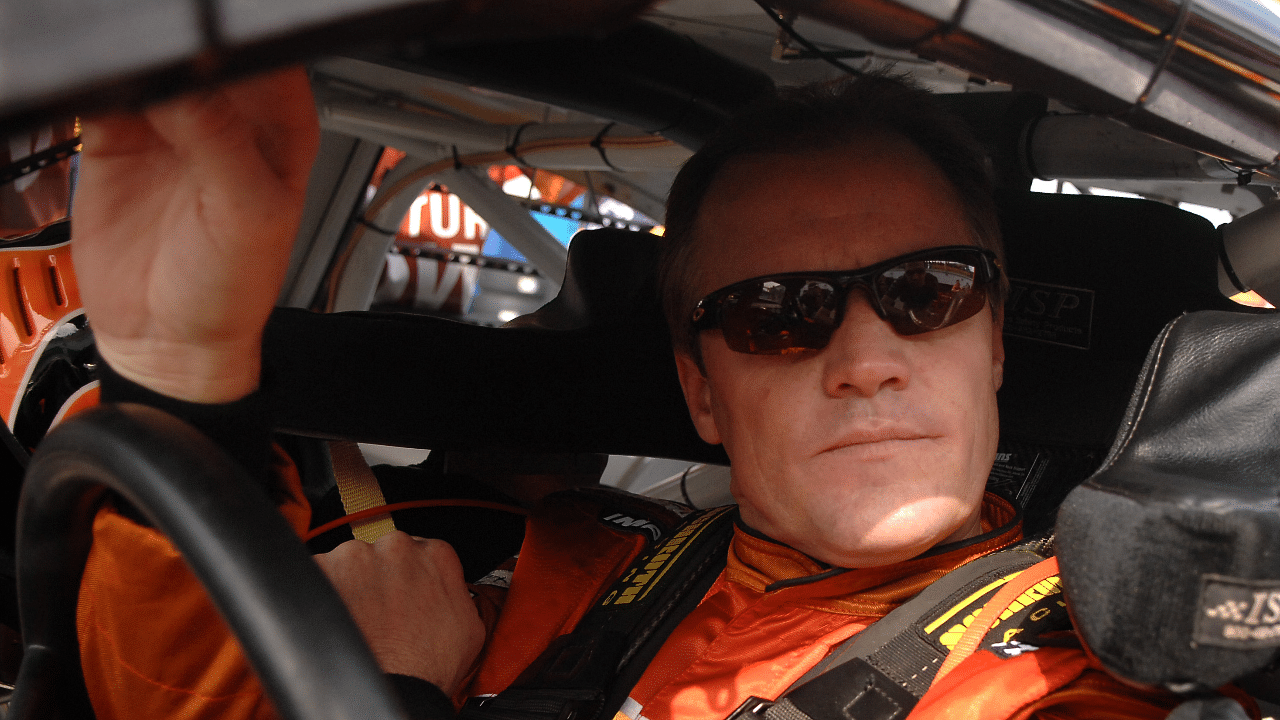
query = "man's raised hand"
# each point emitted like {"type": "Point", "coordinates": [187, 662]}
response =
{"type": "Point", "coordinates": [184, 217]}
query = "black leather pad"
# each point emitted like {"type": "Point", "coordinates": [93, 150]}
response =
{"type": "Point", "coordinates": [1171, 552]}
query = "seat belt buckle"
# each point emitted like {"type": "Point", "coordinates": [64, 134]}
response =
{"type": "Point", "coordinates": [753, 708]}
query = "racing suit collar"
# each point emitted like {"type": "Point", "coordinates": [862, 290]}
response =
{"type": "Point", "coordinates": [768, 566]}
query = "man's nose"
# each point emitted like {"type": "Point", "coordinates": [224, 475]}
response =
{"type": "Point", "coordinates": [865, 355]}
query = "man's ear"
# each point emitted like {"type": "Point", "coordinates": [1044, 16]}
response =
{"type": "Point", "coordinates": [697, 395]}
{"type": "Point", "coordinates": [997, 346]}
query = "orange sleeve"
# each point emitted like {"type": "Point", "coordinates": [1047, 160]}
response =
{"type": "Point", "coordinates": [1052, 683]}
{"type": "Point", "coordinates": [1095, 694]}
{"type": "Point", "coordinates": [151, 643]}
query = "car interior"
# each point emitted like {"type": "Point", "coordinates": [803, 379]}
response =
{"type": "Point", "coordinates": [1163, 106]}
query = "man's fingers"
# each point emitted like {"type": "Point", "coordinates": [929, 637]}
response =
{"type": "Point", "coordinates": [269, 116]}
{"type": "Point", "coordinates": [432, 566]}
{"type": "Point", "coordinates": [409, 599]}
{"type": "Point", "coordinates": [251, 143]}
{"type": "Point", "coordinates": [218, 146]}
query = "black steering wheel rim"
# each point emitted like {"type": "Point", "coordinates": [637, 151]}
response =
{"type": "Point", "coordinates": [255, 570]}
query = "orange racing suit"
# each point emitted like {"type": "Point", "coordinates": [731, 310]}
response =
{"type": "Point", "coordinates": [152, 645]}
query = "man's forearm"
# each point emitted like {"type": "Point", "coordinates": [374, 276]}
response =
{"type": "Point", "coordinates": [241, 428]}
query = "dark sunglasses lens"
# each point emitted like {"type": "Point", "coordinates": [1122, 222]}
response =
{"type": "Point", "coordinates": [771, 317]}
{"type": "Point", "coordinates": [921, 296]}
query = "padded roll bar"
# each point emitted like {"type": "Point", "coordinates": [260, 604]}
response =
{"type": "Point", "coordinates": [254, 568]}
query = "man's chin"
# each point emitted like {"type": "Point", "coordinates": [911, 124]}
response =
{"type": "Point", "coordinates": [871, 555]}
{"type": "Point", "coordinates": [890, 541]}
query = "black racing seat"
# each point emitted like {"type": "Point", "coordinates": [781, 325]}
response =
{"type": "Point", "coordinates": [1095, 279]}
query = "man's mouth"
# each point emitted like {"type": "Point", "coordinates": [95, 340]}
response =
{"type": "Point", "coordinates": [862, 437]}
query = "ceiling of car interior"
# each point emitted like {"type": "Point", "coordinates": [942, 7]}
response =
{"type": "Point", "coordinates": [571, 87]}
{"type": "Point", "coordinates": [549, 103]}
{"type": "Point", "coordinates": [1204, 74]}
{"type": "Point", "coordinates": [1237, 124]}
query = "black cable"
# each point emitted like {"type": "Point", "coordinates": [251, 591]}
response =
{"type": "Point", "coordinates": [1179, 24]}
{"type": "Point", "coordinates": [361, 220]}
{"type": "Point", "coordinates": [515, 145]}
{"type": "Point", "coordinates": [684, 490]}
{"type": "Point", "coordinates": [1226, 265]}
{"type": "Point", "coordinates": [786, 26]}
{"type": "Point", "coordinates": [598, 144]}
{"type": "Point", "coordinates": [592, 199]}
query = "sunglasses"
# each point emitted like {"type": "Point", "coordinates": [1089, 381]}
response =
{"type": "Point", "coordinates": [791, 312]}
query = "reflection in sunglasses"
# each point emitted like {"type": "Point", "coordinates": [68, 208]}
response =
{"type": "Point", "coordinates": [799, 311]}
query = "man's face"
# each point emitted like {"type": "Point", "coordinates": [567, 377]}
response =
{"type": "Point", "coordinates": [877, 447]}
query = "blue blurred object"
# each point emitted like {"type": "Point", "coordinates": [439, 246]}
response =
{"type": "Point", "coordinates": [561, 229]}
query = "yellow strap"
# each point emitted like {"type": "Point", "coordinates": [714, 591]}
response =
{"type": "Point", "coordinates": [990, 613]}
{"type": "Point", "coordinates": [359, 490]}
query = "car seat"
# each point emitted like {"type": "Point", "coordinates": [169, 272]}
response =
{"type": "Point", "coordinates": [1169, 552]}
{"type": "Point", "coordinates": [1094, 279]}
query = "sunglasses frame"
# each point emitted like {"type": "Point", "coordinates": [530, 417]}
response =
{"type": "Point", "coordinates": [706, 313]}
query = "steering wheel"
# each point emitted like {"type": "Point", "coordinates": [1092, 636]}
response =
{"type": "Point", "coordinates": [256, 571]}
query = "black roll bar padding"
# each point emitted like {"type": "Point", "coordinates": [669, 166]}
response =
{"type": "Point", "coordinates": [294, 629]}
{"type": "Point", "coordinates": [644, 75]}
{"type": "Point", "coordinates": [420, 381]}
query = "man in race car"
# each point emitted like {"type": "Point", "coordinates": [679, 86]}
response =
{"type": "Point", "coordinates": [861, 428]}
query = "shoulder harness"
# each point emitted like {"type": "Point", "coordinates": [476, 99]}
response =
{"type": "Point", "coordinates": [878, 674]}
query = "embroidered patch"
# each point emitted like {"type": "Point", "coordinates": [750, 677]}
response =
{"type": "Point", "coordinates": [1036, 610]}
{"type": "Point", "coordinates": [945, 630]}
{"type": "Point", "coordinates": [1238, 613]}
{"type": "Point", "coordinates": [1012, 649]}
{"type": "Point", "coordinates": [629, 523]}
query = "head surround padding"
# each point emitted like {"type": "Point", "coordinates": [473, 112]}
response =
{"type": "Point", "coordinates": [1171, 552]}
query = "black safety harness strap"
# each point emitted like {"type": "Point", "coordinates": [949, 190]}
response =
{"type": "Point", "coordinates": [883, 671]}
{"type": "Point", "coordinates": [575, 677]}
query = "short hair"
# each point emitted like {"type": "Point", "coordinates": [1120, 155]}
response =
{"type": "Point", "coordinates": [815, 118]}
